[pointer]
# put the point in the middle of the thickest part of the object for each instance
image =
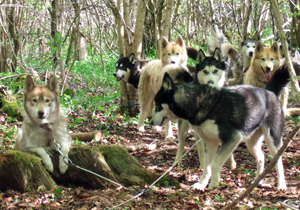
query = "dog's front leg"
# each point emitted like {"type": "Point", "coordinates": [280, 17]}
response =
{"type": "Point", "coordinates": [210, 153]}
{"type": "Point", "coordinates": [62, 161]}
{"type": "Point", "coordinates": [201, 151]}
{"type": "Point", "coordinates": [46, 160]}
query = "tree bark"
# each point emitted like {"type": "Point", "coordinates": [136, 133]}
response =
{"type": "Point", "coordinates": [56, 35]}
{"type": "Point", "coordinates": [13, 26]}
{"type": "Point", "coordinates": [167, 20]}
{"type": "Point", "coordinates": [295, 29]}
{"type": "Point", "coordinates": [288, 59]}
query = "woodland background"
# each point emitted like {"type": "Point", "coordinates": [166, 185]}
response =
{"type": "Point", "coordinates": [81, 40]}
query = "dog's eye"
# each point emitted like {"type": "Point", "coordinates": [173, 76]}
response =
{"type": "Point", "coordinates": [34, 100]}
{"type": "Point", "coordinates": [47, 100]}
{"type": "Point", "coordinates": [177, 53]}
{"type": "Point", "coordinates": [169, 54]}
{"type": "Point", "coordinates": [215, 71]}
{"type": "Point", "coordinates": [247, 46]}
{"type": "Point", "coordinates": [205, 72]}
{"type": "Point", "coordinates": [272, 59]}
{"type": "Point", "coordinates": [263, 59]}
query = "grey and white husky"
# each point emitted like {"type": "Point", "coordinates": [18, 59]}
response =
{"type": "Point", "coordinates": [239, 59]}
{"type": "Point", "coordinates": [228, 116]}
{"type": "Point", "coordinates": [43, 114]}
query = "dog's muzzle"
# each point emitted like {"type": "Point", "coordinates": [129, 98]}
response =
{"type": "Point", "coordinates": [119, 78]}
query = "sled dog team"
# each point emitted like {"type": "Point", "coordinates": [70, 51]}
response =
{"type": "Point", "coordinates": [221, 116]}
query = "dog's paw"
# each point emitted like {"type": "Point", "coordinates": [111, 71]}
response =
{"type": "Point", "coordinates": [48, 166]}
{"type": "Point", "coordinates": [231, 164]}
{"type": "Point", "coordinates": [63, 167]}
{"type": "Point", "coordinates": [158, 128]}
{"type": "Point", "coordinates": [213, 185]}
{"type": "Point", "coordinates": [142, 129]}
{"type": "Point", "coordinates": [198, 186]}
{"type": "Point", "coordinates": [281, 186]}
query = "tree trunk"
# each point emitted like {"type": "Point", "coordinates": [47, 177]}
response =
{"type": "Point", "coordinates": [13, 26]}
{"type": "Point", "coordinates": [56, 35]}
{"type": "Point", "coordinates": [167, 20]}
{"type": "Point", "coordinates": [139, 25]}
{"type": "Point", "coordinates": [22, 171]}
{"type": "Point", "coordinates": [288, 60]}
{"type": "Point", "coordinates": [295, 28]}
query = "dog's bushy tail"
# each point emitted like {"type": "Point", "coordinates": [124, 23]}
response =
{"type": "Point", "coordinates": [279, 80]}
{"type": "Point", "coordinates": [229, 50]}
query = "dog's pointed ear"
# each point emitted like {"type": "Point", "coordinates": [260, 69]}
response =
{"type": "Point", "coordinates": [180, 41]}
{"type": "Point", "coordinates": [28, 84]}
{"type": "Point", "coordinates": [167, 82]}
{"type": "Point", "coordinates": [164, 43]}
{"type": "Point", "coordinates": [218, 55]}
{"type": "Point", "coordinates": [200, 57]}
{"type": "Point", "coordinates": [53, 84]}
{"type": "Point", "coordinates": [275, 47]}
{"type": "Point", "coordinates": [259, 46]}
{"type": "Point", "coordinates": [131, 58]}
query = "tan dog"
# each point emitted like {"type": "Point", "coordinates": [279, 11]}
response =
{"type": "Point", "coordinates": [265, 62]}
{"type": "Point", "coordinates": [42, 108]}
{"type": "Point", "coordinates": [150, 79]}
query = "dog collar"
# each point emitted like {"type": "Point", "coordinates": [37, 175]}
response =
{"type": "Point", "coordinates": [199, 100]}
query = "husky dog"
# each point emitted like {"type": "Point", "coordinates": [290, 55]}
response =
{"type": "Point", "coordinates": [228, 116]}
{"type": "Point", "coordinates": [217, 38]}
{"type": "Point", "coordinates": [265, 62]}
{"type": "Point", "coordinates": [129, 68]}
{"type": "Point", "coordinates": [240, 59]}
{"type": "Point", "coordinates": [209, 70]}
{"type": "Point", "coordinates": [43, 114]}
{"type": "Point", "coordinates": [150, 79]}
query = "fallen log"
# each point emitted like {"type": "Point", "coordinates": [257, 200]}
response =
{"type": "Point", "coordinates": [111, 161]}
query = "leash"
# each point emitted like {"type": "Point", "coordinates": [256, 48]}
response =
{"type": "Point", "coordinates": [148, 188]}
{"type": "Point", "coordinates": [69, 162]}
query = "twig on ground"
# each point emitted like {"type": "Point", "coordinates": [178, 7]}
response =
{"type": "Point", "coordinates": [267, 170]}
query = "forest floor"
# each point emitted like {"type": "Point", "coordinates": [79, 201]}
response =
{"type": "Point", "coordinates": [233, 182]}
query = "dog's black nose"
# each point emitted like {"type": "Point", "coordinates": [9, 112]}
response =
{"type": "Point", "coordinates": [115, 74]}
{"type": "Point", "coordinates": [210, 82]}
{"type": "Point", "coordinates": [172, 62]}
{"type": "Point", "coordinates": [268, 69]}
{"type": "Point", "coordinates": [251, 54]}
{"type": "Point", "coordinates": [41, 113]}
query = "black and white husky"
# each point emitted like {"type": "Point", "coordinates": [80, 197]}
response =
{"type": "Point", "coordinates": [209, 70]}
{"type": "Point", "coordinates": [228, 116]}
{"type": "Point", "coordinates": [129, 69]}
